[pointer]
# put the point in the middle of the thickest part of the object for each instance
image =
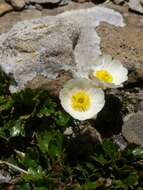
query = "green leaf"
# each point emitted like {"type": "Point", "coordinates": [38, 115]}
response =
{"type": "Point", "coordinates": [138, 152]}
{"type": "Point", "coordinates": [44, 111]}
{"type": "Point", "coordinates": [23, 186]}
{"type": "Point", "coordinates": [29, 159]}
{"type": "Point", "coordinates": [11, 159]}
{"type": "Point", "coordinates": [131, 180]}
{"type": "Point", "coordinates": [100, 159]}
{"type": "Point", "coordinates": [41, 188]}
{"type": "Point", "coordinates": [44, 139]}
{"type": "Point", "coordinates": [56, 145]}
{"type": "Point", "coordinates": [140, 188]}
{"type": "Point", "coordinates": [110, 148]}
{"type": "Point", "coordinates": [54, 149]}
{"type": "Point", "coordinates": [15, 128]}
{"type": "Point", "coordinates": [118, 184]}
{"type": "Point", "coordinates": [4, 83]}
{"type": "Point", "coordinates": [50, 142]}
{"type": "Point", "coordinates": [34, 174]}
{"type": "Point", "coordinates": [24, 102]}
{"type": "Point", "coordinates": [90, 166]}
{"type": "Point", "coordinates": [25, 117]}
{"type": "Point", "coordinates": [3, 134]}
{"type": "Point", "coordinates": [62, 118]}
{"type": "Point", "coordinates": [47, 109]}
{"type": "Point", "coordinates": [78, 187]}
{"type": "Point", "coordinates": [91, 185]}
{"type": "Point", "coordinates": [5, 104]}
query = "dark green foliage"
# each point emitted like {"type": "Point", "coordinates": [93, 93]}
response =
{"type": "Point", "coordinates": [4, 83]}
{"type": "Point", "coordinates": [31, 138]}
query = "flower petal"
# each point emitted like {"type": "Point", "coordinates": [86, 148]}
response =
{"type": "Point", "coordinates": [96, 96]}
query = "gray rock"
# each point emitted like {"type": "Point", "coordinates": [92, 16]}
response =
{"type": "Point", "coordinates": [141, 1]}
{"type": "Point", "coordinates": [118, 1]}
{"type": "Point", "coordinates": [85, 129]}
{"type": "Point", "coordinates": [29, 14]}
{"type": "Point", "coordinates": [51, 49]}
{"type": "Point", "coordinates": [135, 5]}
{"type": "Point", "coordinates": [120, 141]}
{"type": "Point", "coordinates": [4, 179]}
{"type": "Point", "coordinates": [17, 4]}
{"type": "Point", "coordinates": [38, 7]}
{"type": "Point", "coordinates": [4, 8]}
{"type": "Point", "coordinates": [125, 45]}
{"type": "Point", "coordinates": [81, 1]}
{"type": "Point", "coordinates": [64, 2]}
{"type": "Point", "coordinates": [45, 1]}
{"type": "Point", "coordinates": [132, 129]}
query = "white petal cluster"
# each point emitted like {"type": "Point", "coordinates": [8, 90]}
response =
{"type": "Point", "coordinates": [107, 72]}
{"type": "Point", "coordinates": [83, 97]}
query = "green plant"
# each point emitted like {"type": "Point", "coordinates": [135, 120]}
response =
{"type": "Point", "coordinates": [35, 152]}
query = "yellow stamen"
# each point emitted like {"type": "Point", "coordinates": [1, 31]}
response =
{"type": "Point", "coordinates": [104, 75]}
{"type": "Point", "coordinates": [80, 101]}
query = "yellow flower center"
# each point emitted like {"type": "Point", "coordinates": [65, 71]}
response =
{"type": "Point", "coordinates": [80, 101]}
{"type": "Point", "coordinates": [104, 75]}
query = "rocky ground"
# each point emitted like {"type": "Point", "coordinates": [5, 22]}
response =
{"type": "Point", "coordinates": [123, 42]}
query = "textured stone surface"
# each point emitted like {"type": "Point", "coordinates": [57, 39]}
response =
{"type": "Point", "coordinates": [85, 129]}
{"type": "Point", "coordinates": [135, 5]}
{"type": "Point", "coordinates": [132, 129]}
{"type": "Point", "coordinates": [30, 14]}
{"type": "Point", "coordinates": [120, 141]}
{"type": "Point", "coordinates": [44, 1]}
{"type": "Point", "coordinates": [141, 1]}
{"type": "Point", "coordinates": [118, 1]}
{"type": "Point", "coordinates": [17, 4]}
{"type": "Point", "coordinates": [4, 8]}
{"type": "Point", "coordinates": [81, 1]}
{"type": "Point", "coordinates": [126, 44]}
{"type": "Point", "coordinates": [4, 178]}
{"type": "Point", "coordinates": [9, 19]}
{"type": "Point", "coordinates": [53, 47]}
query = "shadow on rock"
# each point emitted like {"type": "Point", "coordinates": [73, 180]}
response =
{"type": "Point", "coordinates": [83, 143]}
{"type": "Point", "coordinates": [109, 120]}
{"type": "Point", "coordinates": [98, 1]}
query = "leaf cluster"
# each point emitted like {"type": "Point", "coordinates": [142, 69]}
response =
{"type": "Point", "coordinates": [32, 139]}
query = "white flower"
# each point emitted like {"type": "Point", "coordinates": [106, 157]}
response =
{"type": "Point", "coordinates": [81, 99]}
{"type": "Point", "coordinates": [107, 72]}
